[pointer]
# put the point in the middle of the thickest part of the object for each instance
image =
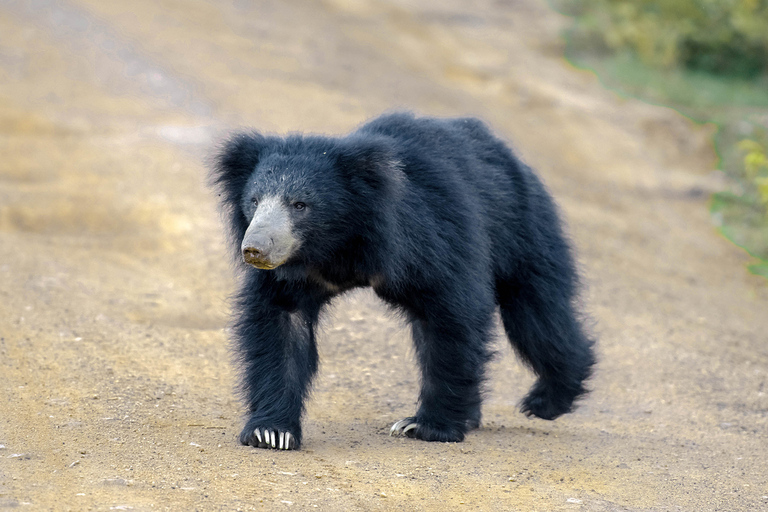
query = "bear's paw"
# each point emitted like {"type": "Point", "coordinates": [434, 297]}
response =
{"type": "Point", "coordinates": [411, 427]}
{"type": "Point", "coordinates": [269, 438]}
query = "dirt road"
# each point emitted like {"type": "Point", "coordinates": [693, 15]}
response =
{"type": "Point", "coordinates": [116, 378]}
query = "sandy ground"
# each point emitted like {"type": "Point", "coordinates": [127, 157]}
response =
{"type": "Point", "coordinates": [115, 370]}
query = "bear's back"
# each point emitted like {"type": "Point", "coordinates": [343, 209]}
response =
{"type": "Point", "coordinates": [461, 146]}
{"type": "Point", "coordinates": [470, 178]}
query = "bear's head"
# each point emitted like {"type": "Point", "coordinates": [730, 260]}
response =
{"type": "Point", "coordinates": [305, 199]}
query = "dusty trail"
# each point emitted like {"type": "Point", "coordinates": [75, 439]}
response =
{"type": "Point", "coordinates": [117, 382]}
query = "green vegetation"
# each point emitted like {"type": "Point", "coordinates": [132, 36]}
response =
{"type": "Point", "coordinates": [709, 60]}
{"type": "Point", "coordinates": [725, 37]}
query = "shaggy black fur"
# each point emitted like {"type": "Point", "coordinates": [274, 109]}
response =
{"type": "Point", "coordinates": [441, 219]}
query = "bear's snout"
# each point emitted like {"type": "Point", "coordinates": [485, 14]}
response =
{"type": "Point", "coordinates": [253, 256]}
{"type": "Point", "coordinates": [259, 252]}
{"type": "Point", "coordinates": [269, 240]}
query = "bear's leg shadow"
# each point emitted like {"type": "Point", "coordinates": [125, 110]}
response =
{"type": "Point", "coordinates": [452, 350]}
{"type": "Point", "coordinates": [542, 326]}
{"type": "Point", "coordinates": [279, 358]}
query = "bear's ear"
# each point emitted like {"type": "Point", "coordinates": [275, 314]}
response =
{"type": "Point", "coordinates": [232, 166]}
{"type": "Point", "coordinates": [369, 162]}
{"type": "Point", "coordinates": [235, 162]}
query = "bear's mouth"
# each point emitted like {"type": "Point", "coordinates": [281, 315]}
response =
{"type": "Point", "coordinates": [260, 260]}
{"type": "Point", "coordinates": [260, 263]}
{"type": "Point", "coordinates": [264, 266]}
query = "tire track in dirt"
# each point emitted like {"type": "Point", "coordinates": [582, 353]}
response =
{"type": "Point", "coordinates": [115, 61]}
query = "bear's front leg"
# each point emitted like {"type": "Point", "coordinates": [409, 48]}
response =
{"type": "Point", "coordinates": [279, 358]}
{"type": "Point", "coordinates": [452, 352]}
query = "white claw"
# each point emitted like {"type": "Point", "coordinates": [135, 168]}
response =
{"type": "Point", "coordinates": [287, 440]}
{"type": "Point", "coordinates": [403, 426]}
{"type": "Point", "coordinates": [257, 432]}
{"type": "Point", "coordinates": [272, 438]}
{"type": "Point", "coordinates": [410, 427]}
{"type": "Point", "coordinates": [395, 430]}
{"type": "Point", "coordinates": [282, 440]}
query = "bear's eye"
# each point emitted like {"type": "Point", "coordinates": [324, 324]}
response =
{"type": "Point", "coordinates": [255, 202]}
{"type": "Point", "coordinates": [299, 205]}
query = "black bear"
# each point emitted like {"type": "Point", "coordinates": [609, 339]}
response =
{"type": "Point", "coordinates": [442, 221]}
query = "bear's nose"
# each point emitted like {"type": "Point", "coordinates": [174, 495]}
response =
{"type": "Point", "coordinates": [252, 254]}
{"type": "Point", "coordinates": [258, 251]}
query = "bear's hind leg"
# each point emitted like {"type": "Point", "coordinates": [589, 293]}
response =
{"type": "Point", "coordinates": [544, 330]}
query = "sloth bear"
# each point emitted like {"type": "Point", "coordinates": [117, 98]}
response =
{"type": "Point", "coordinates": [442, 221]}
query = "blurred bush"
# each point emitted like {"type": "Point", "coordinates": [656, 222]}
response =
{"type": "Point", "coordinates": [724, 37]}
{"type": "Point", "coordinates": [741, 211]}
{"type": "Point", "coordinates": [756, 168]}
{"type": "Point", "coordinates": [709, 60]}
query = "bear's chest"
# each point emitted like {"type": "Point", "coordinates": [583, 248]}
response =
{"type": "Point", "coordinates": [336, 283]}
